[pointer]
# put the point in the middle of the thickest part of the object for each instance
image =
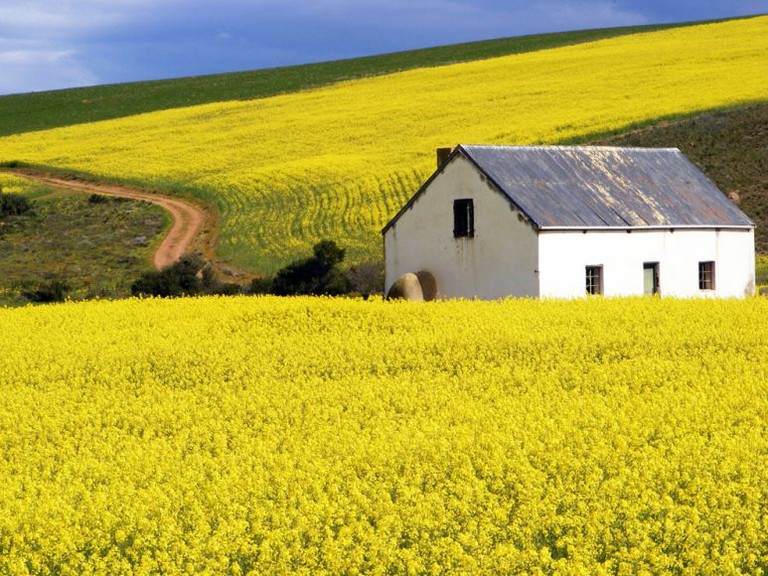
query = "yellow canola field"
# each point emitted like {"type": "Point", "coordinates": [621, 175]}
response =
{"type": "Point", "coordinates": [311, 436]}
{"type": "Point", "coordinates": [10, 184]}
{"type": "Point", "coordinates": [338, 162]}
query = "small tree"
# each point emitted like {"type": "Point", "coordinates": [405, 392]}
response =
{"type": "Point", "coordinates": [316, 275]}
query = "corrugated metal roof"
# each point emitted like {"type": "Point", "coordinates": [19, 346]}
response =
{"type": "Point", "coordinates": [605, 187]}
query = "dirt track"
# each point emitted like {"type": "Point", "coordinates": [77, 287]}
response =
{"type": "Point", "coordinates": [190, 222]}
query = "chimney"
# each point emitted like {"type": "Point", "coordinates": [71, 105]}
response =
{"type": "Point", "coordinates": [442, 156]}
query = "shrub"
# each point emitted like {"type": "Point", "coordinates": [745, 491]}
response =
{"type": "Point", "coordinates": [191, 275]}
{"type": "Point", "coordinates": [225, 289]}
{"type": "Point", "coordinates": [97, 199]}
{"type": "Point", "coordinates": [105, 199]}
{"type": "Point", "coordinates": [367, 278]}
{"type": "Point", "coordinates": [261, 286]}
{"type": "Point", "coordinates": [53, 290]}
{"type": "Point", "coordinates": [316, 275]}
{"type": "Point", "coordinates": [179, 279]}
{"type": "Point", "coordinates": [13, 204]}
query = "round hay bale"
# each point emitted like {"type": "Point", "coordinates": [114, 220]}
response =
{"type": "Point", "coordinates": [735, 198]}
{"type": "Point", "coordinates": [407, 287]}
{"type": "Point", "coordinates": [428, 285]}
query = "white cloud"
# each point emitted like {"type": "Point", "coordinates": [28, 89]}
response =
{"type": "Point", "coordinates": [29, 70]}
{"type": "Point", "coordinates": [37, 18]}
{"type": "Point", "coordinates": [42, 41]}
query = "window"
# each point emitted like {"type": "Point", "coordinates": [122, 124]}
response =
{"type": "Point", "coordinates": [463, 218]}
{"type": "Point", "coordinates": [651, 278]}
{"type": "Point", "coordinates": [594, 279]}
{"type": "Point", "coordinates": [706, 275]}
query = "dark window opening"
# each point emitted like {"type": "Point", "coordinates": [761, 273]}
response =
{"type": "Point", "coordinates": [706, 275]}
{"type": "Point", "coordinates": [651, 278]}
{"type": "Point", "coordinates": [594, 279]}
{"type": "Point", "coordinates": [463, 218]}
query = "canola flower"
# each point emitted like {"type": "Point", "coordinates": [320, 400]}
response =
{"type": "Point", "coordinates": [320, 436]}
{"type": "Point", "coordinates": [338, 162]}
{"type": "Point", "coordinates": [11, 184]}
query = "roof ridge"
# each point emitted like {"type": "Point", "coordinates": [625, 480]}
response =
{"type": "Point", "coordinates": [566, 147]}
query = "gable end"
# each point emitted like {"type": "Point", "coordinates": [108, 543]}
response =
{"type": "Point", "coordinates": [458, 151]}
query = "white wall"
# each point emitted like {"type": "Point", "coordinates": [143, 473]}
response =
{"type": "Point", "coordinates": [563, 257]}
{"type": "Point", "coordinates": [500, 260]}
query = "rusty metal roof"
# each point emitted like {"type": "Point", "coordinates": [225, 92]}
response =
{"type": "Point", "coordinates": [605, 187]}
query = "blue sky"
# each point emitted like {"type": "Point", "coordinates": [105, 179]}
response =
{"type": "Point", "coordinates": [51, 44]}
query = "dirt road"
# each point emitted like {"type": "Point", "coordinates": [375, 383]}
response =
{"type": "Point", "coordinates": [192, 226]}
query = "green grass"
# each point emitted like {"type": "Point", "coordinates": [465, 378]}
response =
{"type": "Point", "coordinates": [44, 110]}
{"type": "Point", "coordinates": [729, 146]}
{"type": "Point", "coordinates": [761, 270]}
{"type": "Point", "coordinates": [99, 249]}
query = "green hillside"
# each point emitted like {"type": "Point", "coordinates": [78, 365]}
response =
{"type": "Point", "coordinates": [43, 110]}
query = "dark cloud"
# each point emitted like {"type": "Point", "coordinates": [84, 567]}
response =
{"type": "Point", "coordinates": [48, 44]}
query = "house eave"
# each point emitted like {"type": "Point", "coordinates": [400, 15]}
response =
{"type": "Point", "coordinates": [646, 228]}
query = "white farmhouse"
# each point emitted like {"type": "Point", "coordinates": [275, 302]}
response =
{"type": "Point", "coordinates": [562, 222]}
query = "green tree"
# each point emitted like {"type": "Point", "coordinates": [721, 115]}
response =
{"type": "Point", "coordinates": [320, 274]}
{"type": "Point", "coordinates": [182, 278]}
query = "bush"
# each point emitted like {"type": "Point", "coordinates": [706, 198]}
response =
{"type": "Point", "coordinates": [260, 286]}
{"type": "Point", "coordinates": [13, 204]}
{"type": "Point", "coordinates": [105, 199]}
{"type": "Point", "coordinates": [179, 279]}
{"type": "Point", "coordinates": [367, 278]}
{"type": "Point", "coordinates": [191, 275]}
{"type": "Point", "coordinates": [317, 275]}
{"type": "Point", "coordinates": [54, 290]}
{"type": "Point", "coordinates": [225, 289]}
{"type": "Point", "coordinates": [97, 199]}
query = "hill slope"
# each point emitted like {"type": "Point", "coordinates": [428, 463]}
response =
{"type": "Point", "coordinates": [44, 110]}
{"type": "Point", "coordinates": [339, 161]}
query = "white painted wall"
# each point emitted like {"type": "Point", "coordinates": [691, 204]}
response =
{"type": "Point", "coordinates": [502, 258]}
{"type": "Point", "coordinates": [564, 256]}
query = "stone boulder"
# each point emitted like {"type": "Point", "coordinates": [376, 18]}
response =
{"type": "Point", "coordinates": [407, 287]}
{"type": "Point", "coordinates": [428, 285]}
